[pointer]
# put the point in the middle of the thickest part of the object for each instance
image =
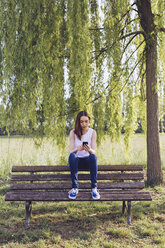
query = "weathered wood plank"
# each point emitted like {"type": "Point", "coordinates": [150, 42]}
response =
{"type": "Point", "coordinates": [53, 168]}
{"type": "Point", "coordinates": [66, 177]}
{"type": "Point", "coordinates": [113, 191]}
{"type": "Point", "coordinates": [48, 186]}
{"type": "Point", "coordinates": [82, 196]}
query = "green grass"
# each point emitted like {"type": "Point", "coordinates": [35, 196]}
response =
{"type": "Point", "coordinates": [79, 224]}
{"type": "Point", "coordinates": [23, 151]}
{"type": "Point", "coordinates": [83, 224]}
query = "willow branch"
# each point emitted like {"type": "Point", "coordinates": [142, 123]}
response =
{"type": "Point", "coordinates": [162, 29]}
{"type": "Point", "coordinates": [101, 51]}
{"type": "Point", "coordinates": [96, 29]}
{"type": "Point", "coordinates": [104, 49]}
{"type": "Point", "coordinates": [129, 42]}
{"type": "Point", "coordinates": [126, 13]}
{"type": "Point", "coordinates": [126, 24]}
{"type": "Point", "coordinates": [134, 51]}
{"type": "Point", "coordinates": [127, 35]}
{"type": "Point", "coordinates": [101, 95]}
{"type": "Point", "coordinates": [132, 72]}
{"type": "Point", "coordinates": [95, 99]}
{"type": "Point", "coordinates": [135, 10]}
{"type": "Point", "coordinates": [141, 67]}
{"type": "Point", "coordinates": [132, 33]}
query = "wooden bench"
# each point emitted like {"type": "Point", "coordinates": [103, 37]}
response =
{"type": "Point", "coordinates": [51, 183]}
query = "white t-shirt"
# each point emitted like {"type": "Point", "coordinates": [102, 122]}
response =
{"type": "Point", "coordinates": [85, 137]}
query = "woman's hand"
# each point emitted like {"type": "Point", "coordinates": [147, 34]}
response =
{"type": "Point", "coordinates": [80, 148]}
{"type": "Point", "coordinates": [87, 148]}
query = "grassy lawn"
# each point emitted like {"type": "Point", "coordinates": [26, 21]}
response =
{"type": "Point", "coordinates": [79, 224]}
{"type": "Point", "coordinates": [23, 151]}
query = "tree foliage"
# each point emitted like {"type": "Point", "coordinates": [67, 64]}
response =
{"type": "Point", "coordinates": [59, 57]}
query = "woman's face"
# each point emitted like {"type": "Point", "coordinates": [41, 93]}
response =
{"type": "Point", "coordinates": [84, 122]}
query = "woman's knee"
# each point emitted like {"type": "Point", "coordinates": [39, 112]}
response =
{"type": "Point", "coordinates": [72, 155]}
{"type": "Point", "coordinates": [92, 157]}
{"type": "Point", "coordinates": [72, 158]}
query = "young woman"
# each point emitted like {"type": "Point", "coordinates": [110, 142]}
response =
{"type": "Point", "coordinates": [82, 156]}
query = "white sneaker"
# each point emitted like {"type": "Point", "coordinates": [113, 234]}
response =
{"type": "Point", "coordinates": [73, 193]}
{"type": "Point", "coordinates": [95, 194]}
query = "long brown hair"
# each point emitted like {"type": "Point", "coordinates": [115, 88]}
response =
{"type": "Point", "coordinates": [78, 129]}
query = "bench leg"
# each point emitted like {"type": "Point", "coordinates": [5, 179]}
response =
{"type": "Point", "coordinates": [28, 211]}
{"type": "Point", "coordinates": [129, 212]}
{"type": "Point", "coordinates": [124, 206]}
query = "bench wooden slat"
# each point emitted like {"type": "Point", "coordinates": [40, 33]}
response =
{"type": "Point", "coordinates": [60, 177]}
{"type": "Point", "coordinates": [53, 168]}
{"type": "Point", "coordinates": [82, 196]}
{"type": "Point", "coordinates": [47, 186]}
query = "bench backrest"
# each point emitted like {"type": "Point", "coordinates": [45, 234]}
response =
{"type": "Point", "coordinates": [58, 177]}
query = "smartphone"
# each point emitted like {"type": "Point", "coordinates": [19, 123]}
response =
{"type": "Point", "coordinates": [85, 143]}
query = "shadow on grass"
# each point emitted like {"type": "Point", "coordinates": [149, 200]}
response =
{"type": "Point", "coordinates": [68, 220]}
{"type": "Point", "coordinates": [4, 186]}
{"type": "Point", "coordinates": [65, 220]}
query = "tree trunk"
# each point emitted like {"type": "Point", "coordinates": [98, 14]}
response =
{"type": "Point", "coordinates": [154, 170]}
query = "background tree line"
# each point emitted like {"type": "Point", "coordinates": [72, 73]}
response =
{"type": "Point", "coordinates": [5, 131]}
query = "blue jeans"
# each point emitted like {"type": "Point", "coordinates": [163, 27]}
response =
{"type": "Point", "coordinates": [76, 163]}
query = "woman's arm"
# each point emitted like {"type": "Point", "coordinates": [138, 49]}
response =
{"type": "Point", "coordinates": [72, 149]}
{"type": "Point", "coordinates": [93, 142]}
{"type": "Point", "coordinates": [92, 149]}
